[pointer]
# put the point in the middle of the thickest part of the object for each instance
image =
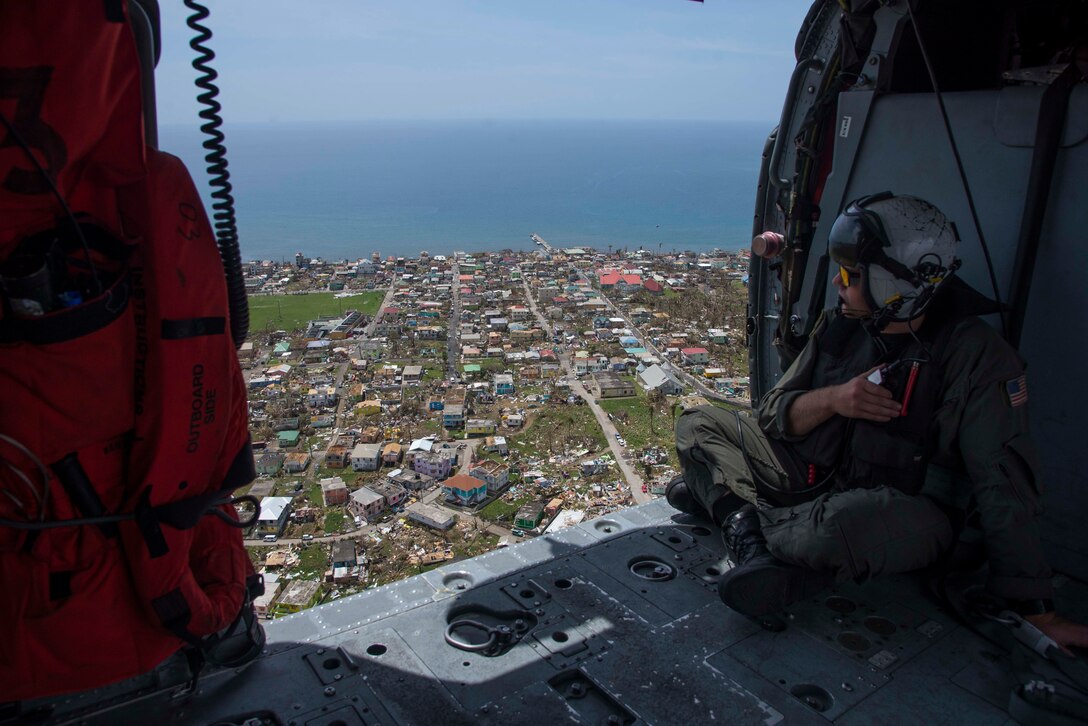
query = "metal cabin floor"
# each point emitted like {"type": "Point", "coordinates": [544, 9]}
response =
{"type": "Point", "coordinates": [629, 629]}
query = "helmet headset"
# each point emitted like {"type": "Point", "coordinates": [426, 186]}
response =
{"type": "Point", "coordinates": [904, 249]}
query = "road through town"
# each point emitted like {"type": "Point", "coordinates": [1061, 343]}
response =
{"type": "Point", "coordinates": [369, 329]}
{"type": "Point", "coordinates": [453, 340]}
{"type": "Point", "coordinates": [634, 481]}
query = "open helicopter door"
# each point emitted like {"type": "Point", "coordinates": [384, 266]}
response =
{"type": "Point", "coordinates": [862, 117]}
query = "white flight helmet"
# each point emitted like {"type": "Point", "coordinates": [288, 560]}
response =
{"type": "Point", "coordinates": [904, 247]}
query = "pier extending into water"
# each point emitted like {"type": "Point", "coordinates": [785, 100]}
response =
{"type": "Point", "coordinates": [542, 242]}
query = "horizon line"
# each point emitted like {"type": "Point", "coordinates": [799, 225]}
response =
{"type": "Point", "coordinates": [482, 119]}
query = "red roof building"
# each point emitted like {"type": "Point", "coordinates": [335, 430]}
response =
{"type": "Point", "coordinates": [611, 278]}
{"type": "Point", "coordinates": [608, 279]}
{"type": "Point", "coordinates": [463, 482]}
{"type": "Point", "coordinates": [464, 489]}
{"type": "Point", "coordinates": [695, 355]}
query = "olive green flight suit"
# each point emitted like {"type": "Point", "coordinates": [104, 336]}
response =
{"type": "Point", "coordinates": [983, 458]}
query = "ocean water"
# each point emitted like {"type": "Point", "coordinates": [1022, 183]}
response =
{"type": "Point", "coordinates": [343, 190]}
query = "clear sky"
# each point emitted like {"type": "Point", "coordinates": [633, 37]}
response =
{"type": "Point", "coordinates": [486, 59]}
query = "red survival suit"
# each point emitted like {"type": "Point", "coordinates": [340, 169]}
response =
{"type": "Point", "coordinates": [120, 390]}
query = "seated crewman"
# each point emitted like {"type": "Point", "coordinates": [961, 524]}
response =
{"type": "Point", "coordinates": [903, 414]}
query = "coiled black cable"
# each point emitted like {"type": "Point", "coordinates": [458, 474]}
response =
{"type": "Point", "coordinates": [226, 227]}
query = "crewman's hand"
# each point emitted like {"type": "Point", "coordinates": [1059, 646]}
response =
{"type": "Point", "coordinates": [859, 398]}
{"type": "Point", "coordinates": [1061, 630]}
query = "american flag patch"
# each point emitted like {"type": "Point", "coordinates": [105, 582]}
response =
{"type": "Point", "coordinates": [1017, 391]}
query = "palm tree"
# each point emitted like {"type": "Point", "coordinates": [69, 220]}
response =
{"type": "Point", "coordinates": [653, 397]}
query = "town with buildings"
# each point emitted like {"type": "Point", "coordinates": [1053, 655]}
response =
{"type": "Point", "coordinates": [438, 407]}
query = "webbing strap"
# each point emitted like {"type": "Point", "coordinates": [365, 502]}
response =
{"type": "Point", "coordinates": [193, 328]}
{"type": "Point", "coordinates": [173, 612]}
{"type": "Point", "coordinates": [243, 469]}
{"type": "Point", "coordinates": [81, 492]}
{"type": "Point", "coordinates": [147, 521]}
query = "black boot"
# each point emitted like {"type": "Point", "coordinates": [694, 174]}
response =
{"type": "Point", "coordinates": [679, 497]}
{"type": "Point", "coordinates": [743, 536]}
{"type": "Point", "coordinates": [761, 584]}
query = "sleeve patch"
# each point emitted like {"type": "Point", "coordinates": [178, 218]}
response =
{"type": "Point", "coordinates": [1016, 391]}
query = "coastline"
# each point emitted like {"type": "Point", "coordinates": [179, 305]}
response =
{"type": "Point", "coordinates": [346, 190]}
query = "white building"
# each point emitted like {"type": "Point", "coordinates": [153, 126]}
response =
{"type": "Point", "coordinates": [365, 502]}
{"type": "Point", "coordinates": [417, 446]}
{"type": "Point", "coordinates": [271, 590]}
{"type": "Point", "coordinates": [273, 516]}
{"type": "Point", "coordinates": [366, 457]}
{"type": "Point", "coordinates": [566, 518]}
{"type": "Point", "coordinates": [430, 516]}
{"type": "Point", "coordinates": [657, 378]}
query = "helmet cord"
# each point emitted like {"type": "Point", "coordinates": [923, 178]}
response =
{"type": "Point", "coordinates": [925, 348]}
